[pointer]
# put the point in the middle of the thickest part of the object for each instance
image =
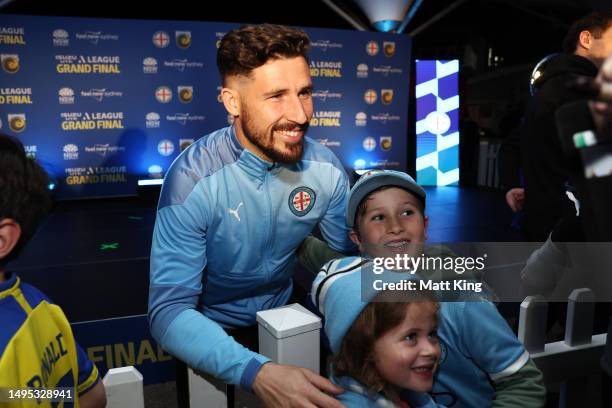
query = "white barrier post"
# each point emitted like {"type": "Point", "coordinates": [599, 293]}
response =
{"type": "Point", "coordinates": [206, 390]}
{"type": "Point", "coordinates": [124, 388]}
{"type": "Point", "coordinates": [290, 335]}
{"type": "Point", "coordinates": [532, 323]}
{"type": "Point", "coordinates": [578, 331]}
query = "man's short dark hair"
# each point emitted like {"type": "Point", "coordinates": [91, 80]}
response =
{"type": "Point", "coordinates": [248, 47]}
{"type": "Point", "coordinates": [24, 191]}
{"type": "Point", "coordinates": [596, 23]}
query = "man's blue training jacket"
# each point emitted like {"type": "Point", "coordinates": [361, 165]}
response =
{"type": "Point", "coordinates": [228, 224]}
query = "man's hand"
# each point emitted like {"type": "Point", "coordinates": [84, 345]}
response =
{"type": "Point", "coordinates": [515, 198]}
{"type": "Point", "coordinates": [288, 386]}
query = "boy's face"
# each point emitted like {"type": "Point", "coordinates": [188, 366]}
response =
{"type": "Point", "coordinates": [392, 224]}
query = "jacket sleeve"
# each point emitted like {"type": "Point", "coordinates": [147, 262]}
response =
{"type": "Point", "coordinates": [496, 350]}
{"type": "Point", "coordinates": [314, 253]}
{"type": "Point", "coordinates": [178, 259]}
{"type": "Point", "coordinates": [333, 225]}
{"type": "Point", "coordinates": [525, 388]}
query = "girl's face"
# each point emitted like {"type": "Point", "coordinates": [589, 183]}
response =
{"type": "Point", "coordinates": [407, 355]}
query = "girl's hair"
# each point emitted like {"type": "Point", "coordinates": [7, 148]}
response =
{"type": "Point", "coordinates": [356, 356]}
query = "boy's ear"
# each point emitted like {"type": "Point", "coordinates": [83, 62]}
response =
{"type": "Point", "coordinates": [10, 232]}
{"type": "Point", "coordinates": [354, 236]}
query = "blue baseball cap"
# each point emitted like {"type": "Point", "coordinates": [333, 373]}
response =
{"type": "Point", "coordinates": [373, 180]}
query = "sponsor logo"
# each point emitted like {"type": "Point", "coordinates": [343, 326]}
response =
{"type": "Point", "coordinates": [219, 35]}
{"type": "Point", "coordinates": [325, 94]}
{"type": "Point", "coordinates": [384, 163]}
{"type": "Point", "coordinates": [71, 152]}
{"type": "Point", "coordinates": [96, 175]}
{"type": "Point", "coordinates": [183, 118]}
{"type": "Point", "coordinates": [152, 120]}
{"type": "Point", "coordinates": [372, 48]}
{"type": "Point", "coordinates": [90, 64]}
{"type": "Point", "coordinates": [181, 64]}
{"type": "Point", "coordinates": [329, 143]}
{"type": "Point", "coordinates": [10, 62]}
{"type": "Point", "coordinates": [185, 143]}
{"type": "Point", "coordinates": [185, 93]}
{"type": "Point", "coordinates": [149, 65]}
{"type": "Point", "coordinates": [219, 98]}
{"type": "Point", "coordinates": [385, 143]}
{"type": "Point", "coordinates": [104, 149]}
{"type": "Point", "coordinates": [324, 45]}
{"type": "Point", "coordinates": [91, 120]}
{"type": "Point", "coordinates": [100, 94]}
{"type": "Point", "coordinates": [326, 119]}
{"type": "Point", "coordinates": [361, 119]}
{"type": "Point", "coordinates": [31, 151]}
{"type": "Point", "coordinates": [183, 39]}
{"type": "Point", "coordinates": [386, 96]}
{"type": "Point", "coordinates": [163, 94]}
{"type": "Point", "coordinates": [437, 123]}
{"type": "Point", "coordinates": [17, 122]}
{"type": "Point", "coordinates": [369, 144]}
{"type": "Point", "coordinates": [161, 39]}
{"type": "Point", "coordinates": [16, 96]}
{"type": "Point", "coordinates": [389, 48]}
{"type": "Point", "coordinates": [165, 147]}
{"type": "Point", "coordinates": [362, 71]}
{"type": "Point", "coordinates": [66, 96]}
{"type": "Point", "coordinates": [60, 38]}
{"type": "Point", "coordinates": [386, 70]}
{"type": "Point", "coordinates": [301, 201]}
{"type": "Point", "coordinates": [384, 117]}
{"type": "Point", "coordinates": [95, 36]}
{"type": "Point", "coordinates": [370, 96]}
{"type": "Point", "coordinates": [327, 69]}
{"type": "Point", "coordinates": [12, 36]}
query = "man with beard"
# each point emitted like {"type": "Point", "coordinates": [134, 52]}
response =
{"type": "Point", "coordinates": [234, 208]}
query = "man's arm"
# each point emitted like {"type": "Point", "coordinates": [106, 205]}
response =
{"type": "Point", "coordinates": [314, 253]}
{"type": "Point", "coordinates": [525, 388]}
{"type": "Point", "coordinates": [178, 257]}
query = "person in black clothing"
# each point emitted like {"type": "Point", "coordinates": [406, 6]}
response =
{"type": "Point", "coordinates": [543, 199]}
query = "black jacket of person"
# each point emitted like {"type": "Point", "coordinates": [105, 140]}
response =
{"type": "Point", "coordinates": [544, 167]}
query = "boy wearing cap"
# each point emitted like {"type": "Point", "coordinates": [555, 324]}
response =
{"type": "Point", "coordinates": [482, 362]}
{"type": "Point", "coordinates": [37, 348]}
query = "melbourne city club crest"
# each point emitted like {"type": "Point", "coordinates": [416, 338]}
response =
{"type": "Point", "coordinates": [301, 201]}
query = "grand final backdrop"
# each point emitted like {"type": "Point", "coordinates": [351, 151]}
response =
{"type": "Point", "coordinates": [102, 103]}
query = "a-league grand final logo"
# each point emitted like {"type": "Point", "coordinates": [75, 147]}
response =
{"type": "Point", "coordinates": [301, 201]}
{"type": "Point", "coordinates": [183, 39]}
{"type": "Point", "coordinates": [10, 63]}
